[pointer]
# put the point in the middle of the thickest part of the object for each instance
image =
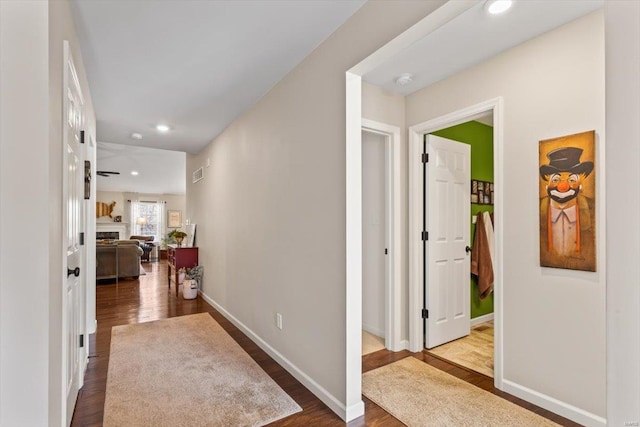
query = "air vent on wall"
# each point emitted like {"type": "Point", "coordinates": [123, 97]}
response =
{"type": "Point", "coordinates": [198, 174]}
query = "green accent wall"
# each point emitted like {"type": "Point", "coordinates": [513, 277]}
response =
{"type": "Point", "coordinates": [480, 137]}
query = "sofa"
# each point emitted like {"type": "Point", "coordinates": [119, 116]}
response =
{"type": "Point", "coordinates": [146, 247]}
{"type": "Point", "coordinates": [128, 259]}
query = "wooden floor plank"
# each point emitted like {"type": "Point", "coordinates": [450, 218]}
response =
{"type": "Point", "coordinates": [148, 298]}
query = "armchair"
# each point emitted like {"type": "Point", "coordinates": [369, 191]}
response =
{"type": "Point", "coordinates": [146, 247]}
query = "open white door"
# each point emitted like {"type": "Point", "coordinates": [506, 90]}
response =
{"type": "Point", "coordinates": [447, 260]}
{"type": "Point", "coordinates": [73, 189]}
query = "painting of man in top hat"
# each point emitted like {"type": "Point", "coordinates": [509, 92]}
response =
{"type": "Point", "coordinates": [567, 202]}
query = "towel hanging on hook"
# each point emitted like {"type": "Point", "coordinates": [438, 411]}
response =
{"type": "Point", "coordinates": [482, 254]}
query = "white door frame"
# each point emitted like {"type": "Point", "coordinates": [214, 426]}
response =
{"type": "Point", "coordinates": [416, 290]}
{"type": "Point", "coordinates": [393, 232]}
{"type": "Point", "coordinates": [89, 209]}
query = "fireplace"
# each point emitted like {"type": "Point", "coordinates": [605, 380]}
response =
{"type": "Point", "coordinates": [107, 235]}
{"type": "Point", "coordinates": [111, 230]}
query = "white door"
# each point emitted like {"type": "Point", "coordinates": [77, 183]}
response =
{"type": "Point", "coordinates": [73, 176]}
{"type": "Point", "coordinates": [447, 217]}
{"type": "Point", "coordinates": [374, 232]}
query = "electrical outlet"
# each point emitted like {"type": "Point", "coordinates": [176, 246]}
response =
{"type": "Point", "coordinates": [279, 320]}
{"type": "Point", "coordinates": [208, 162]}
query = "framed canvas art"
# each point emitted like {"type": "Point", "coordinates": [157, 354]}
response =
{"type": "Point", "coordinates": [174, 219]}
{"type": "Point", "coordinates": [567, 202]}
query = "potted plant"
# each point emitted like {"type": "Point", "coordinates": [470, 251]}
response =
{"type": "Point", "coordinates": [190, 285]}
{"type": "Point", "coordinates": [179, 236]}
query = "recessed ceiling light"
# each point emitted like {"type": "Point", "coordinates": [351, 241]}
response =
{"type": "Point", "coordinates": [496, 7]}
{"type": "Point", "coordinates": [136, 135]}
{"type": "Point", "coordinates": [134, 173]}
{"type": "Point", "coordinates": [162, 128]}
{"type": "Point", "coordinates": [404, 79]}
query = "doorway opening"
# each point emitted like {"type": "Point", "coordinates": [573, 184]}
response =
{"type": "Point", "coordinates": [381, 247]}
{"type": "Point", "coordinates": [423, 314]}
{"type": "Point", "coordinates": [464, 334]}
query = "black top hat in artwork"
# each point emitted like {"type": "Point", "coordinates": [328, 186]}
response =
{"type": "Point", "coordinates": [566, 159]}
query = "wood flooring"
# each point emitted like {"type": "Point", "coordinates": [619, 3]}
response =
{"type": "Point", "coordinates": [475, 351]}
{"type": "Point", "coordinates": [148, 298]}
{"type": "Point", "coordinates": [371, 343]}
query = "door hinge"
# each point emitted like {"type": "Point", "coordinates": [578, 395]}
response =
{"type": "Point", "coordinates": [82, 341]}
{"type": "Point", "coordinates": [82, 238]}
{"type": "Point", "coordinates": [81, 137]}
{"type": "Point", "coordinates": [425, 313]}
{"type": "Point", "coordinates": [425, 157]}
{"type": "Point", "coordinates": [425, 235]}
{"type": "Point", "coordinates": [386, 251]}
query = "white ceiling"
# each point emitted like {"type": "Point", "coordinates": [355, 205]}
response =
{"type": "Point", "coordinates": [195, 65]}
{"type": "Point", "coordinates": [160, 171]}
{"type": "Point", "coordinates": [474, 37]}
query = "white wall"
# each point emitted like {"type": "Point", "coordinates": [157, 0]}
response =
{"type": "Point", "coordinates": [374, 219]}
{"type": "Point", "coordinates": [554, 320]}
{"type": "Point", "coordinates": [121, 208]}
{"type": "Point", "coordinates": [24, 274]}
{"type": "Point", "coordinates": [622, 35]}
{"type": "Point", "coordinates": [31, 201]}
{"type": "Point", "coordinates": [388, 108]}
{"type": "Point", "coordinates": [271, 208]}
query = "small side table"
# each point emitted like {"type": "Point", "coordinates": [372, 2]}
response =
{"type": "Point", "coordinates": [179, 257]}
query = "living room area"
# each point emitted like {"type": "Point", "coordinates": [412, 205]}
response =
{"type": "Point", "coordinates": [140, 206]}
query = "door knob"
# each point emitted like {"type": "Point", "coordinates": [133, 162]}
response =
{"type": "Point", "coordinates": [75, 271]}
{"type": "Point", "coordinates": [467, 249]}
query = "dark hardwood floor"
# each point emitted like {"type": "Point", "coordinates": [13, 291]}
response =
{"type": "Point", "coordinates": [147, 299]}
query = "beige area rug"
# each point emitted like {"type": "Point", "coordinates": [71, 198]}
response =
{"type": "Point", "coordinates": [474, 351]}
{"type": "Point", "coordinates": [187, 371]}
{"type": "Point", "coordinates": [371, 343]}
{"type": "Point", "coordinates": [420, 395]}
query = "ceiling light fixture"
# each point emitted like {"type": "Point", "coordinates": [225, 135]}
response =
{"type": "Point", "coordinates": [136, 135]}
{"type": "Point", "coordinates": [404, 79]}
{"type": "Point", "coordinates": [162, 128]}
{"type": "Point", "coordinates": [496, 7]}
{"type": "Point", "coordinates": [134, 173]}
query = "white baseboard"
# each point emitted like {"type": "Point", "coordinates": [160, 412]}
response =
{"type": "Point", "coordinates": [404, 345]}
{"type": "Point", "coordinates": [347, 414]}
{"type": "Point", "coordinates": [481, 319]}
{"type": "Point", "coordinates": [93, 328]}
{"type": "Point", "coordinates": [354, 411]}
{"type": "Point", "coordinates": [554, 405]}
{"type": "Point", "coordinates": [375, 331]}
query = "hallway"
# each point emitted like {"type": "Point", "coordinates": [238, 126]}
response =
{"type": "Point", "coordinates": [148, 299]}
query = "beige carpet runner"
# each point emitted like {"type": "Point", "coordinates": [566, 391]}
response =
{"type": "Point", "coordinates": [187, 371]}
{"type": "Point", "coordinates": [420, 395]}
